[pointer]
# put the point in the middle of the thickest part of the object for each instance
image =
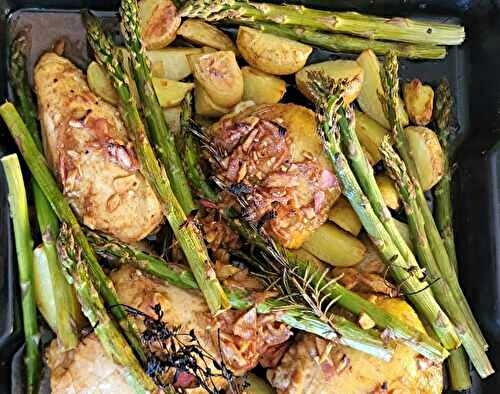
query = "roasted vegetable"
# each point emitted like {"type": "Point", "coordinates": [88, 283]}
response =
{"type": "Point", "coordinates": [170, 93]}
{"type": "Point", "coordinates": [419, 102]}
{"type": "Point", "coordinates": [173, 118]}
{"type": "Point", "coordinates": [405, 233]}
{"type": "Point", "coordinates": [171, 63]}
{"type": "Point", "coordinates": [368, 98]}
{"type": "Point", "coordinates": [203, 34]}
{"type": "Point", "coordinates": [262, 88]}
{"type": "Point", "coordinates": [336, 69]}
{"type": "Point", "coordinates": [257, 385]}
{"type": "Point", "coordinates": [270, 53]}
{"type": "Point", "coordinates": [204, 106]}
{"type": "Point", "coordinates": [345, 217]}
{"type": "Point", "coordinates": [389, 191]}
{"type": "Point", "coordinates": [427, 153]}
{"type": "Point", "coordinates": [100, 84]}
{"type": "Point", "coordinates": [159, 22]}
{"type": "Point", "coordinates": [370, 135]}
{"type": "Point", "coordinates": [220, 76]}
{"type": "Point", "coordinates": [335, 246]}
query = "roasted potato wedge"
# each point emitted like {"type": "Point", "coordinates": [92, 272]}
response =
{"type": "Point", "coordinates": [262, 88]}
{"type": "Point", "coordinates": [335, 246]}
{"type": "Point", "coordinates": [171, 93]}
{"type": "Point", "coordinates": [336, 69]}
{"type": "Point", "coordinates": [270, 53]}
{"type": "Point", "coordinates": [100, 83]}
{"type": "Point", "coordinates": [220, 76]}
{"type": "Point", "coordinates": [173, 118]}
{"type": "Point", "coordinates": [344, 216]}
{"type": "Point", "coordinates": [370, 135]}
{"type": "Point", "coordinates": [305, 256]}
{"type": "Point", "coordinates": [427, 154]}
{"type": "Point", "coordinates": [368, 98]}
{"type": "Point", "coordinates": [419, 101]}
{"type": "Point", "coordinates": [204, 34]}
{"type": "Point", "coordinates": [257, 385]}
{"type": "Point", "coordinates": [171, 63]}
{"type": "Point", "coordinates": [159, 22]}
{"type": "Point", "coordinates": [204, 106]}
{"type": "Point", "coordinates": [389, 191]}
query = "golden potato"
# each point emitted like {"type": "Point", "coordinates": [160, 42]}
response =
{"type": "Point", "coordinates": [389, 191]}
{"type": "Point", "coordinates": [220, 76]}
{"type": "Point", "coordinates": [170, 93]}
{"type": "Point", "coordinates": [344, 216]}
{"type": "Point", "coordinates": [427, 154]}
{"type": "Point", "coordinates": [419, 101]}
{"type": "Point", "coordinates": [368, 98]}
{"type": "Point", "coordinates": [100, 83]}
{"type": "Point", "coordinates": [204, 34]}
{"type": "Point", "coordinates": [257, 385]}
{"type": "Point", "coordinates": [270, 53]}
{"type": "Point", "coordinates": [334, 246]}
{"type": "Point", "coordinates": [370, 135]}
{"type": "Point", "coordinates": [171, 63]}
{"type": "Point", "coordinates": [159, 22]}
{"type": "Point", "coordinates": [204, 106]}
{"type": "Point", "coordinates": [336, 69]}
{"type": "Point", "coordinates": [405, 233]}
{"type": "Point", "coordinates": [262, 88]}
{"type": "Point", "coordinates": [173, 118]}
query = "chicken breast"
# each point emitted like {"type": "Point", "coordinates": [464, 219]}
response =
{"type": "Point", "coordinates": [348, 371]}
{"type": "Point", "coordinates": [87, 147]}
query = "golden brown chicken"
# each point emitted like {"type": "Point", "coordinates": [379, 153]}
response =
{"type": "Point", "coordinates": [86, 145]}
{"type": "Point", "coordinates": [245, 338]}
{"type": "Point", "coordinates": [303, 369]}
{"type": "Point", "coordinates": [273, 156]}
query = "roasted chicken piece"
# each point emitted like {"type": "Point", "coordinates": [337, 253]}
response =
{"type": "Point", "coordinates": [273, 158]}
{"type": "Point", "coordinates": [245, 338]}
{"type": "Point", "coordinates": [87, 147]}
{"type": "Point", "coordinates": [305, 368]}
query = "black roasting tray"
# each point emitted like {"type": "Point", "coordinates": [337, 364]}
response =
{"type": "Point", "coordinates": [472, 70]}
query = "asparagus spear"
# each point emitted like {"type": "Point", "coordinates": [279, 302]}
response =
{"type": "Point", "coordinates": [346, 43]}
{"type": "Point", "coordinates": [458, 367]}
{"type": "Point", "coordinates": [297, 316]}
{"type": "Point", "coordinates": [184, 230]}
{"type": "Point", "coordinates": [390, 83]}
{"type": "Point", "coordinates": [160, 135]}
{"type": "Point", "coordinates": [41, 172]}
{"type": "Point", "coordinates": [405, 185]}
{"type": "Point", "coordinates": [47, 220]}
{"type": "Point", "coordinates": [24, 247]}
{"type": "Point", "coordinates": [72, 258]}
{"type": "Point", "coordinates": [368, 26]}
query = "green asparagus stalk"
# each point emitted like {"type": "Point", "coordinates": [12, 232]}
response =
{"type": "Point", "coordinates": [368, 26]}
{"type": "Point", "coordinates": [115, 345]}
{"type": "Point", "coordinates": [405, 185]}
{"type": "Point", "coordinates": [41, 172]}
{"type": "Point", "coordinates": [160, 135]}
{"type": "Point", "coordinates": [66, 330]}
{"type": "Point", "coordinates": [346, 43]}
{"type": "Point", "coordinates": [390, 83]}
{"type": "Point", "coordinates": [24, 248]}
{"type": "Point", "coordinates": [297, 316]}
{"type": "Point", "coordinates": [442, 191]}
{"type": "Point", "coordinates": [458, 367]}
{"type": "Point", "coordinates": [184, 230]}
{"type": "Point", "coordinates": [190, 153]}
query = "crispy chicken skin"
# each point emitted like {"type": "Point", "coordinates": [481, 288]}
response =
{"type": "Point", "coordinates": [273, 155]}
{"type": "Point", "coordinates": [349, 371]}
{"type": "Point", "coordinates": [87, 147]}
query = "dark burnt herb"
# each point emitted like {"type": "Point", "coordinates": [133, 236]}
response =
{"type": "Point", "coordinates": [177, 360]}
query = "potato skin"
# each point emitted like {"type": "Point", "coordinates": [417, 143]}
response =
{"type": "Point", "coordinates": [370, 134]}
{"type": "Point", "coordinates": [419, 101]}
{"type": "Point", "coordinates": [100, 83]}
{"type": "Point", "coordinates": [219, 74]}
{"type": "Point", "coordinates": [159, 22]}
{"type": "Point", "coordinates": [170, 93]}
{"type": "Point", "coordinates": [336, 69]}
{"type": "Point", "coordinates": [344, 216]}
{"type": "Point", "coordinates": [204, 34]}
{"type": "Point", "coordinates": [171, 63]}
{"type": "Point", "coordinates": [203, 104]}
{"type": "Point", "coordinates": [262, 88]}
{"type": "Point", "coordinates": [272, 54]}
{"type": "Point", "coordinates": [427, 154]}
